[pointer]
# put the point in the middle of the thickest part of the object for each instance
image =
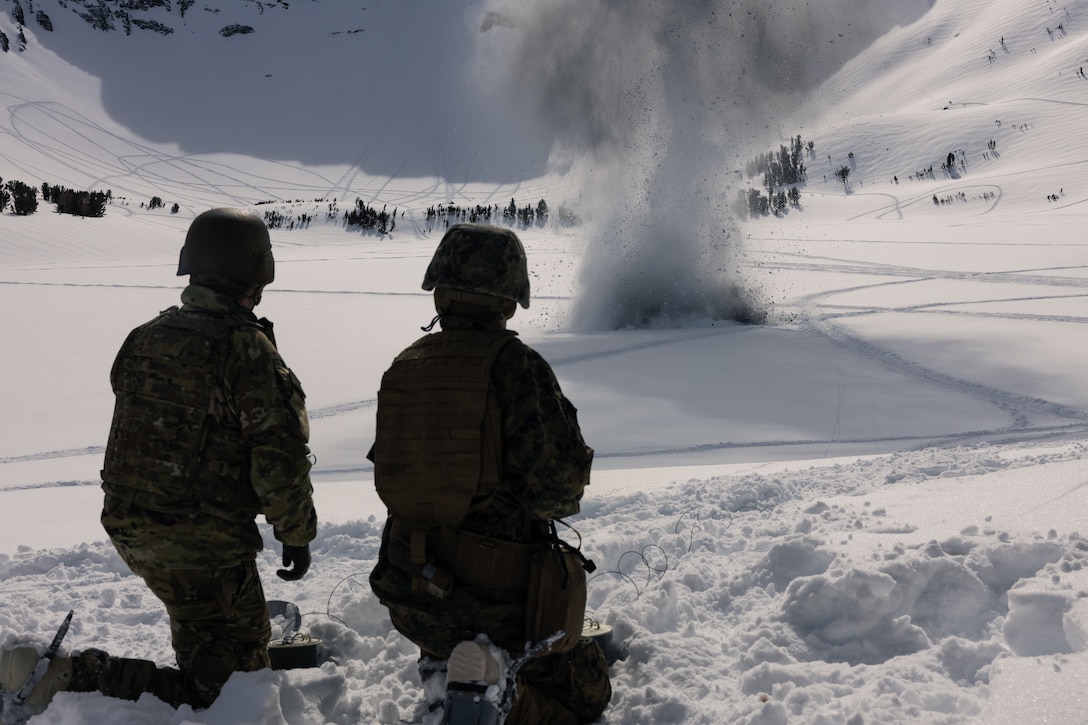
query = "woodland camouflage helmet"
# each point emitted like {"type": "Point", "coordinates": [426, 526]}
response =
{"type": "Point", "coordinates": [228, 243]}
{"type": "Point", "coordinates": [482, 259]}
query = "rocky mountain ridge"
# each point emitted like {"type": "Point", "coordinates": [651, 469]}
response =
{"type": "Point", "coordinates": [162, 17]}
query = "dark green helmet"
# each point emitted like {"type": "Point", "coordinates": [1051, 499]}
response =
{"type": "Point", "coordinates": [483, 259]}
{"type": "Point", "coordinates": [228, 243]}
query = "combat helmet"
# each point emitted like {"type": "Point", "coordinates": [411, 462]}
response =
{"type": "Point", "coordinates": [482, 259]}
{"type": "Point", "coordinates": [228, 243]}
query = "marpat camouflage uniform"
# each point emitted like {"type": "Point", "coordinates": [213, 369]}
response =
{"type": "Point", "coordinates": [545, 469]}
{"type": "Point", "coordinates": [209, 431]}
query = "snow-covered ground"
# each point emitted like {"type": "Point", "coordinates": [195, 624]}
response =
{"type": "Point", "coordinates": [867, 510]}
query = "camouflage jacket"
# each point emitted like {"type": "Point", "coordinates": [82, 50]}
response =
{"type": "Point", "coordinates": [545, 462]}
{"type": "Point", "coordinates": [545, 469]}
{"type": "Point", "coordinates": [183, 484]}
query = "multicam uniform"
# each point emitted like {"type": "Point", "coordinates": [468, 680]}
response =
{"type": "Point", "coordinates": [545, 466]}
{"type": "Point", "coordinates": [209, 431]}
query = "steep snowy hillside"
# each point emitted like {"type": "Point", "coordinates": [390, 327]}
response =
{"type": "Point", "coordinates": [386, 89]}
{"type": "Point", "coordinates": [1000, 85]}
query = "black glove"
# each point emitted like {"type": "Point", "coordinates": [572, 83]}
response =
{"type": "Point", "coordinates": [296, 557]}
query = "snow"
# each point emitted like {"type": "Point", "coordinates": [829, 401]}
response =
{"type": "Point", "coordinates": [869, 509]}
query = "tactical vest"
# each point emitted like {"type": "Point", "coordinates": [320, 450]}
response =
{"type": "Point", "coordinates": [438, 450]}
{"type": "Point", "coordinates": [174, 446]}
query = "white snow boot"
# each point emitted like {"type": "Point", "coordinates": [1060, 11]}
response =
{"type": "Point", "coordinates": [472, 671]}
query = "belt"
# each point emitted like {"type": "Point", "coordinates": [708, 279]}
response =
{"type": "Point", "coordinates": [462, 555]}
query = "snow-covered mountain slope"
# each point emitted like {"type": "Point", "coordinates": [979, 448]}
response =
{"type": "Point", "coordinates": [386, 89]}
{"type": "Point", "coordinates": [965, 75]}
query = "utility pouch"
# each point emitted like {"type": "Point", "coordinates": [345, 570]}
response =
{"type": "Point", "coordinates": [556, 596]}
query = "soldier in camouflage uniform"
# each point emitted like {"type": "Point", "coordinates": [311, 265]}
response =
{"type": "Point", "coordinates": [209, 430]}
{"type": "Point", "coordinates": [479, 275]}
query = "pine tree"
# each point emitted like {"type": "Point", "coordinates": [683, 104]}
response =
{"type": "Point", "coordinates": [778, 202]}
{"type": "Point", "coordinates": [24, 198]}
{"type": "Point", "coordinates": [843, 172]}
{"type": "Point", "coordinates": [96, 204]}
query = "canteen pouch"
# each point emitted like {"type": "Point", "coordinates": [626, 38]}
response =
{"type": "Point", "coordinates": [556, 596]}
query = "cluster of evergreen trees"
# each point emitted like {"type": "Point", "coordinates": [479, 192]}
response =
{"type": "Point", "coordinates": [525, 216]}
{"type": "Point", "coordinates": [156, 202]}
{"type": "Point", "coordinates": [782, 168]}
{"type": "Point", "coordinates": [78, 203]}
{"type": "Point", "coordinates": [367, 218]}
{"type": "Point", "coordinates": [277, 220]}
{"type": "Point", "coordinates": [24, 199]}
{"type": "Point", "coordinates": [759, 204]}
{"type": "Point", "coordinates": [452, 214]}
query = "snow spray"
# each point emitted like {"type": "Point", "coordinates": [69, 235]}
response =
{"type": "Point", "coordinates": [656, 107]}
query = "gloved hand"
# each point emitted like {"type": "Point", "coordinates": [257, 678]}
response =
{"type": "Point", "coordinates": [296, 557]}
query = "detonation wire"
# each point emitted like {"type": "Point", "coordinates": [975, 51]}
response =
{"type": "Point", "coordinates": [696, 515]}
{"type": "Point", "coordinates": [328, 604]}
{"type": "Point", "coordinates": [651, 570]}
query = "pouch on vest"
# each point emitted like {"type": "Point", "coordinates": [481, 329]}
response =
{"type": "Point", "coordinates": [556, 598]}
{"type": "Point", "coordinates": [438, 445]}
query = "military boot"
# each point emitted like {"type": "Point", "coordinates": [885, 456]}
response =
{"type": "Point", "coordinates": [471, 672]}
{"type": "Point", "coordinates": [16, 666]}
{"type": "Point", "coordinates": [126, 678]}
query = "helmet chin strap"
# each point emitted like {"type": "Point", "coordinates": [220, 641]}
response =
{"type": "Point", "coordinates": [434, 322]}
{"type": "Point", "coordinates": [243, 294]}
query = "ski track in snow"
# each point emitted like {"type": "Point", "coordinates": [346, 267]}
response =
{"type": "Point", "coordinates": [1020, 409]}
{"type": "Point", "coordinates": [106, 158]}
